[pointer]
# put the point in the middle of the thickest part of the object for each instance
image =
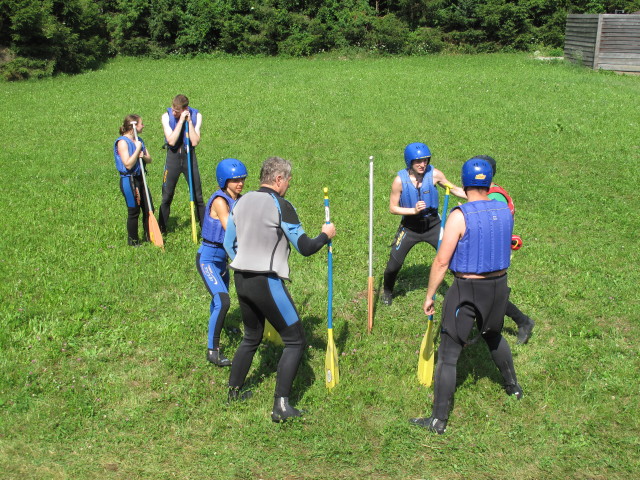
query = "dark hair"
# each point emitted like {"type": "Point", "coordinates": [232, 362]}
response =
{"type": "Point", "coordinates": [127, 123]}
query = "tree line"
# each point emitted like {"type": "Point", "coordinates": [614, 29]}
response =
{"type": "Point", "coordinates": [43, 37]}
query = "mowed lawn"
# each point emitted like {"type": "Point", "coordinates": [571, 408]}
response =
{"type": "Point", "coordinates": [102, 346]}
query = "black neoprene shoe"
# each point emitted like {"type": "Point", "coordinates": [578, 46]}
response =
{"type": "Point", "coordinates": [282, 411]}
{"type": "Point", "coordinates": [236, 395]}
{"type": "Point", "coordinates": [514, 390]}
{"type": "Point", "coordinates": [525, 330]}
{"type": "Point", "coordinates": [432, 424]}
{"type": "Point", "coordinates": [386, 298]}
{"type": "Point", "coordinates": [216, 357]}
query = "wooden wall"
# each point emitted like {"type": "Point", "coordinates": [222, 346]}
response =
{"type": "Point", "coordinates": [608, 42]}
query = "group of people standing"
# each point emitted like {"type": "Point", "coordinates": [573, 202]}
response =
{"type": "Point", "coordinates": [255, 232]}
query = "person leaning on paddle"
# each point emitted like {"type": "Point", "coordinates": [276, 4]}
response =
{"type": "Point", "coordinates": [127, 151]}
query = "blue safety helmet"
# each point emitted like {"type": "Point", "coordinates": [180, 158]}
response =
{"type": "Point", "coordinates": [491, 161]}
{"type": "Point", "coordinates": [416, 151]}
{"type": "Point", "coordinates": [228, 169]}
{"type": "Point", "coordinates": [476, 172]}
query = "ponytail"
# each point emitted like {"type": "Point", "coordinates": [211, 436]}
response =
{"type": "Point", "coordinates": [126, 123]}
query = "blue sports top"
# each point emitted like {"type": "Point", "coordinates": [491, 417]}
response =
{"type": "Point", "coordinates": [486, 244]}
{"type": "Point", "coordinates": [193, 114]}
{"type": "Point", "coordinates": [427, 192]}
{"type": "Point", "coordinates": [124, 172]}
{"type": "Point", "coordinates": [212, 230]}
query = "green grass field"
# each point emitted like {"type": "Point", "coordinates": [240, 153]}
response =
{"type": "Point", "coordinates": [102, 364]}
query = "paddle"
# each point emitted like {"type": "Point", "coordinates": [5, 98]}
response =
{"type": "Point", "coordinates": [154, 229]}
{"type": "Point", "coordinates": [332, 374]}
{"type": "Point", "coordinates": [427, 349]}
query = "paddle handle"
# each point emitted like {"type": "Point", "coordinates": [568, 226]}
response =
{"type": "Point", "coordinates": [327, 219]}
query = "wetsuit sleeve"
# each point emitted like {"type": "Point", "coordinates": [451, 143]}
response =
{"type": "Point", "coordinates": [230, 242]}
{"type": "Point", "coordinates": [292, 228]}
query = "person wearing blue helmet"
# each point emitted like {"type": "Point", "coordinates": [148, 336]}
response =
{"type": "Point", "coordinates": [476, 247]}
{"type": "Point", "coordinates": [211, 259]}
{"type": "Point", "coordinates": [414, 195]}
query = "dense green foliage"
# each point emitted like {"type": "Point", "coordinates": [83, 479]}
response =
{"type": "Point", "coordinates": [52, 36]}
{"type": "Point", "coordinates": [102, 366]}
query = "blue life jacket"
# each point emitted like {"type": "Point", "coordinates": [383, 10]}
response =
{"type": "Point", "coordinates": [411, 195]}
{"type": "Point", "coordinates": [486, 244]}
{"type": "Point", "coordinates": [193, 113]}
{"type": "Point", "coordinates": [124, 172]}
{"type": "Point", "coordinates": [212, 230]}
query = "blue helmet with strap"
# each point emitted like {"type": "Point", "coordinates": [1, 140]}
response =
{"type": "Point", "coordinates": [476, 172]}
{"type": "Point", "coordinates": [416, 151]}
{"type": "Point", "coordinates": [228, 169]}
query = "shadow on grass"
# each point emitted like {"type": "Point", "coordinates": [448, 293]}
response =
{"type": "Point", "coordinates": [270, 356]}
{"type": "Point", "coordinates": [416, 277]}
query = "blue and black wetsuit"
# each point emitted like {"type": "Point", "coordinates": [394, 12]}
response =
{"type": "Point", "coordinates": [176, 164]}
{"type": "Point", "coordinates": [211, 263]}
{"type": "Point", "coordinates": [132, 188]}
{"type": "Point", "coordinates": [260, 230]}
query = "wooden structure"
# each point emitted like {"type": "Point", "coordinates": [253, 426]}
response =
{"type": "Point", "coordinates": [607, 42]}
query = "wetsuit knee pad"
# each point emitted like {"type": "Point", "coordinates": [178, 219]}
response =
{"type": "Point", "coordinates": [294, 336]}
{"type": "Point", "coordinates": [449, 350]}
{"type": "Point", "coordinates": [225, 302]}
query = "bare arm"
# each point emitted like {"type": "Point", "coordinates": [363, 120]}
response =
{"type": "Point", "coordinates": [440, 179]}
{"type": "Point", "coordinates": [220, 210]}
{"type": "Point", "coordinates": [453, 231]}
{"type": "Point", "coordinates": [194, 133]}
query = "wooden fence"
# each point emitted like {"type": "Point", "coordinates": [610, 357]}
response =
{"type": "Point", "coordinates": [608, 42]}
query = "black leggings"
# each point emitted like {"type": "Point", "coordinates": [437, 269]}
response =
{"type": "Point", "coordinates": [264, 296]}
{"type": "Point", "coordinates": [175, 165]}
{"type": "Point", "coordinates": [132, 189]}
{"type": "Point", "coordinates": [403, 242]}
{"type": "Point", "coordinates": [482, 302]}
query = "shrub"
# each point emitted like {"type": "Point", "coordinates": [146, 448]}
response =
{"type": "Point", "coordinates": [21, 68]}
{"type": "Point", "coordinates": [424, 41]}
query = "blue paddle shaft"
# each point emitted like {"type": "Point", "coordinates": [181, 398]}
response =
{"type": "Point", "coordinates": [187, 143]}
{"type": "Point", "coordinates": [330, 267]}
{"type": "Point", "coordinates": [445, 207]}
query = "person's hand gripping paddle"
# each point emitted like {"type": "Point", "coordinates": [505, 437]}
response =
{"type": "Point", "coordinates": [154, 228]}
{"type": "Point", "coordinates": [187, 144]}
{"type": "Point", "coordinates": [332, 375]}
{"type": "Point", "coordinates": [427, 350]}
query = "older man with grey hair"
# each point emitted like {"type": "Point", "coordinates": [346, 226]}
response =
{"type": "Point", "coordinates": [260, 230]}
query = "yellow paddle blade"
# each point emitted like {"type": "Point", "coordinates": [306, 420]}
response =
{"type": "Point", "coordinates": [332, 375]}
{"type": "Point", "coordinates": [425, 361]}
{"type": "Point", "coordinates": [271, 335]}
{"type": "Point", "coordinates": [194, 234]}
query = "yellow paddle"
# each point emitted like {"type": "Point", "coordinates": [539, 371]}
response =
{"type": "Point", "coordinates": [332, 374]}
{"type": "Point", "coordinates": [427, 349]}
